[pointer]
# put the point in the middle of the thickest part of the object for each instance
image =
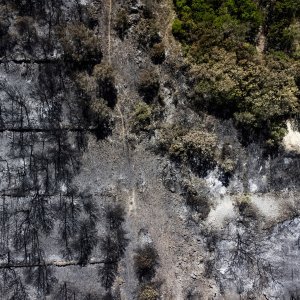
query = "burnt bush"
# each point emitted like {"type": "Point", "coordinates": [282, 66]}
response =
{"type": "Point", "coordinates": [198, 202]}
{"type": "Point", "coordinates": [85, 241]}
{"type": "Point", "coordinates": [148, 34]}
{"type": "Point", "coordinates": [41, 277]}
{"type": "Point", "coordinates": [121, 23]}
{"type": "Point", "coordinates": [27, 35]}
{"type": "Point", "coordinates": [148, 85]}
{"type": "Point", "coordinates": [7, 41]}
{"type": "Point", "coordinates": [113, 245]}
{"type": "Point", "coordinates": [115, 216]}
{"type": "Point", "coordinates": [157, 53]}
{"type": "Point", "coordinates": [148, 9]}
{"type": "Point", "coordinates": [105, 84]}
{"type": "Point", "coordinates": [145, 262]}
{"type": "Point", "coordinates": [245, 208]}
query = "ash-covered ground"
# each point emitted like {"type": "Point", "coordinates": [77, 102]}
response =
{"type": "Point", "coordinates": [99, 198]}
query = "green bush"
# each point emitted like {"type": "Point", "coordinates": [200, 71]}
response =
{"type": "Point", "coordinates": [142, 116]}
{"type": "Point", "coordinates": [281, 14]}
{"type": "Point", "coordinates": [177, 29]}
{"type": "Point", "coordinates": [95, 109]}
{"type": "Point", "coordinates": [216, 18]}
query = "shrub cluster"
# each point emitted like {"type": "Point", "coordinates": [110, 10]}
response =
{"type": "Point", "coordinates": [80, 44]}
{"type": "Point", "coordinates": [257, 97]}
{"type": "Point", "coordinates": [98, 96]}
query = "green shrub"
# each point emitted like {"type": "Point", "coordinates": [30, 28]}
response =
{"type": "Point", "coordinates": [142, 116]}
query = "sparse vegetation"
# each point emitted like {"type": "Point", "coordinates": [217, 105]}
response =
{"type": "Point", "coordinates": [148, 292]}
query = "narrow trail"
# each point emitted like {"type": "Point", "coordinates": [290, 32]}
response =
{"type": "Point", "coordinates": [109, 31]}
{"type": "Point", "coordinates": [124, 131]}
{"type": "Point", "coordinates": [128, 168]}
{"type": "Point", "coordinates": [110, 62]}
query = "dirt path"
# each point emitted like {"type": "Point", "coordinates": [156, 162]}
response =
{"type": "Point", "coordinates": [109, 31]}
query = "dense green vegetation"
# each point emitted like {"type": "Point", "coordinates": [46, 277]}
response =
{"type": "Point", "coordinates": [244, 54]}
{"type": "Point", "coordinates": [208, 22]}
{"type": "Point", "coordinates": [282, 25]}
{"type": "Point", "coordinates": [235, 21]}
